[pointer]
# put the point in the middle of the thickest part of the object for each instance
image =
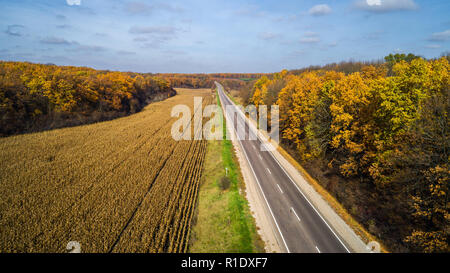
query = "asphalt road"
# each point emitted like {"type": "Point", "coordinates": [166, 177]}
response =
{"type": "Point", "coordinates": [300, 226]}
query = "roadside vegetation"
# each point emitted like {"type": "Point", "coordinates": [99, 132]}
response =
{"type": "Point", "coordinates": [376, 137]}
{"type": "Point", "coordinates": [223, 222]}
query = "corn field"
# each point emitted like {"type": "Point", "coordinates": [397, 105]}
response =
{"type": "Point", "coordinates": [119, 186]}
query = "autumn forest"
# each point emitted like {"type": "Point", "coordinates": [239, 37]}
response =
{"type": "Point", "coordinates": [35, 97]}
{"type": "Point", "coordinates": [376, 136]}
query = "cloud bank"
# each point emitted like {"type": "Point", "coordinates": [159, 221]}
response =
{"type": "Point", "coordinates": [73, 2]}
{"type": "Point", "coordinates": [440, 36]}
{"type": "Point", "coordinates": [382, 6]}
{"type": "Point", "coordinates": [319, 10]}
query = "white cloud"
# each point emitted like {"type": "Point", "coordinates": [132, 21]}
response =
{"type": "Point", "coordinates": [55, 41]}
{"type": "Point", "coordinates": [153, 30]}
{"type": "Point", "coordinates": [440, 36]}
{"type": "Point", "coordinates": [14, 30]}
{"type": "Point", "coordinates": [250, 11]}
{"type": "Point", "coordinates": [268, 36]}
{"type": "Point", "coordinates": [381, 6]}
{"type": "Point", "coordinates": [125, 52]}
{"type": "Point", "coordinates": [140, 39]}
{"type": "Point", "coordinates": [87, 49]}
{"type": "Point", "coordinates": [374, 2]}
{"type": "Point", "coordinates": [310, 34]}
{"type": "Point", "coordinates": [138, 7]}
{"type": "Point", "coordinates": [153, 36]}
{"type": "Point", "coordinates": [433, 46]}
{"type": "Point", "coordinates": [310, 38]}
{"type": "Point", "coordinates": [73, 2]}
{"type": "Point", "coordinates": [145, 9]}
{"type": "Point", "coordinates": [319, 10]}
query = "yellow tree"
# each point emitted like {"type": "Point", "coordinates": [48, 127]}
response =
{"type": "Point", "coordinates": [318, 135]}
{"type": "Point", "coordinates": [259, 91]}
{"type": "Point", "coordinates": [297, 101]}
{"type": "Point", "coordinates": [349, 110]}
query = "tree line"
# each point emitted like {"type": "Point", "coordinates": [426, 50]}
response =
{"type": "Point", "coordinates": [232, 80]}
{"type": "Point", "coordinates": [35, 97]}
{"type": "Point", "coordinates": [376, 137]}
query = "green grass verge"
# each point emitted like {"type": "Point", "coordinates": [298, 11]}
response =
{"type": "Point", "coordinates": [232, 98]}
{"type": "Point", "coordinates": [223, 221]}
{"type": "Point", "coordinates": [247, 79]}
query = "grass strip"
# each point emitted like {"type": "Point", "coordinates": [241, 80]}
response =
{"type": "Point", "coordinates": [223, 221]}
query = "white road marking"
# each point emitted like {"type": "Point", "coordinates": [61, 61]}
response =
{"type": "Point", "coordinates": [268, 170]}
{"type": "Point", "coordinates": [280, 189]}
{"type": "Point", "coordinates": [298, 218]}
{"type": "Point", "coordinates": [260, 157]}
{"type": "Point", "coordinates": [290, 178]}
{"type": "Point", "coordinates": [259, 184]}
{"type": "Point", "coordinates": [295, 184]}
{"type": "Point", "coordinates": [318, 250]}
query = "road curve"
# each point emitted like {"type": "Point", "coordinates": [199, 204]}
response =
{"type": "Point", "coordinates": [300, 226]}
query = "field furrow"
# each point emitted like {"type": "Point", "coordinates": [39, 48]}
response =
{"type": "Point", "coordinates": [114, 186]}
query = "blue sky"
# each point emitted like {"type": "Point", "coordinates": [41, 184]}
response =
{"type": "Point", "coordinates": [219, 36]}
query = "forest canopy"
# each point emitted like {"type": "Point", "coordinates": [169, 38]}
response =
{"type": "Point", "coordinates": [35, 97]}
{"type": "Point", "coordinates": [383, 130]}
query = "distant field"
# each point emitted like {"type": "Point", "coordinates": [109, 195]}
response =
{"type": "Point", "coordinates": [118, 186]}
{"type": "Point", "coordinates": [247, 79]}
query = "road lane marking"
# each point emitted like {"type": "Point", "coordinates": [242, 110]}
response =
{"type": "Point", "coordinates": [295, 184]}
{"type": "Point", "coordinates": [318, 250]}
{"type": "Point", "coordinates": [268, 170]}
{"type": "Point", "coordinates": [263, 194]}
{"type": "Point", "coordinates": [260, 157]}
{"type": "Point", "coordinates": [293, 210]}
{"type": "Point", "coordinates": [280, 189]}
{"type": "Point", "coordinates": [304, 196]}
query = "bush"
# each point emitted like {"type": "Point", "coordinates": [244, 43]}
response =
{"type": "Point", "coordinates": [224, 183]}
